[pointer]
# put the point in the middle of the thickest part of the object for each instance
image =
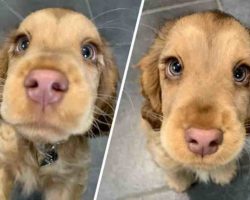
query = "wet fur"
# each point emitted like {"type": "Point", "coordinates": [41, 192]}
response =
{"type": "Point", "coordinates": [209, 45]}
{"type": "Point", "coordinates": [57, 35]}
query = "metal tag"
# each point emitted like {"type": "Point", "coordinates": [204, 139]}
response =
{"type": "Point", "coordinates": [49, 155]}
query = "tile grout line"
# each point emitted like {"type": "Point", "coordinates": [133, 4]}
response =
{"type": "Point", "coordinates": [219, 5]}
{"type": "Point", "coordinates": [145, 193]}
{"type": "Point", "coordinates": [152, 11]}
{"type": "Point", "coordinates": [119, 99]}
{"type": "Point", "coordinates": [20, 17]}
{"type": "Point", "coordinates": [89, 9]}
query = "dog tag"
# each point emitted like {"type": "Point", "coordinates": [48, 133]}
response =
{"type": "Point", "coordinates": [50, 156]}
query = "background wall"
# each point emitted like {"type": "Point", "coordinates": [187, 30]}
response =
{"type": "Point", "coordinates": [115, 20]}
{"type": "Point", "coordinates": [130, 172]}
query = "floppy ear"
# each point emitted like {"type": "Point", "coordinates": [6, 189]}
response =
{"type": "Point", "coordinates": [106, 96]}
{"type": "Point", "coordinates": [4, 60]}
{"type": "Point", "coordinates": [150, 80]}
{"type": "Point", "coordinates": [5, 47]}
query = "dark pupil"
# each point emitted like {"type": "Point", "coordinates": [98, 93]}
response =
{"type": "Point", "coordinates": [176, 67]}
{"type": "Point", "coordinates": [86, 52]}
{"type": "Point", "coordinates": [239, 73]}
{"type": "Point", "coordinates": [24, 44]}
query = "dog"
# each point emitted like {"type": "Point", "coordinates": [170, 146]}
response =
{"type": "Point", "coordinates": [58, 86]}
{"type": "Point", "coordinates": [195, 84]}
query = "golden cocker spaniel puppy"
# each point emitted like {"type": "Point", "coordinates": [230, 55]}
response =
{"type": "Point", "coordinates": [58, 85]}
{"type": "Point", "coordinates": [195, 81]}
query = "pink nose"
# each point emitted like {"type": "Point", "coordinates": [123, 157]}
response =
{"type": "Point", "coordinates": [203, 142]}
{"type": "Point", "coordinates": [45, 86]}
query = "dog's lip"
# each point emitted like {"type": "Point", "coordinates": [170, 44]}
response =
{"type": "Point", "coordinates": [199, 163]}
{"type": "Point", "coordinates": [202, 163]}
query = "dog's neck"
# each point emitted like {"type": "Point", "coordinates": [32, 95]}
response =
{"type": "Point", "coordinates": [48, 153]}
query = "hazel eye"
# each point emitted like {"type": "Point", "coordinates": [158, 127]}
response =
{"type": "Point", "coordinates": [241, 74]}
{"type": "Point", "coordinates": [174, 68]}
{"type": "Point", "coordinates": [89, 51]}
{"type": "Point", "coordinates": [22, 44]}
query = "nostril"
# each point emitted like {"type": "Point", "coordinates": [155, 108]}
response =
{"type": "Point", "coordinates": [31, 83]}
{"type": "Point", "coordinates": [192, 141]}
{"type": "Point", "coordinates": [59, 87]}
{"type": "Point", "coordinates": [213, 144]}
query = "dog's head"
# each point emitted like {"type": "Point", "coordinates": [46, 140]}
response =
{"type": "Point", "coordinates": [195, 79]}
{"type": "Point", "coordinates": [59, 76]}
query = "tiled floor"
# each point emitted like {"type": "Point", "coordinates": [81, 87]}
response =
{"type": "Point", "coordinates": [130, 172]}
{"type": "Point", "coordinates": [115, 20]}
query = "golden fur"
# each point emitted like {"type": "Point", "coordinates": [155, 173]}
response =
{"type": "Point", "coordinates": [205, 96]}
{"type": "Point", "coordinates": [56, 36]}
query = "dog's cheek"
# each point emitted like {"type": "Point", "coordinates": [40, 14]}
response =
{"type": "Point", "coordinates": [233, 144]}
{"type": "Point", "coordinates": [77, 108]}
{"type": "Point", "coordinates": [173, 141]}
{"type": "Point", "coordinates": [242, 104]}
{"type": "Point", "coordinates": [14, 100]}
{"type": "Point", "coordinates": [79, 104]}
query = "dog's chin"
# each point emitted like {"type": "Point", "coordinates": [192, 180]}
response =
{"type": "Point", "coordinates": [206, 163]}
{"type": "Point", "coordinates": [42, 133]}
{"type": "Point", "coordinates": [47, 133]}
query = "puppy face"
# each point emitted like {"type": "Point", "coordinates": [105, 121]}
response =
{"type": "Point", "coordinates": [57, 70]}
{"type": "Point", "coordinates": [196, 78]}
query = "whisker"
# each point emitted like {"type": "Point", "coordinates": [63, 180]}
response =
{"type": "Point", "coordinates": [96, 125]}
{"type": "Point", "coordinates": [119, 44]}
{"type": "Point", "coordinates": [108, 22]}
{"type": "Point", "coordinates": [102, 122]}
{"type": "Point", "coordinates": [130, 100]}
{"type": "Point", "coordinates": [108, 11]}
{"type": "Point", "coordinates": [115, 28]}
{"type": "Point", "coordinates": [150, 28]}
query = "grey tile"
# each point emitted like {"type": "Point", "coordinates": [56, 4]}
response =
{"type": "Point", "coordinates": [7, 25]}
{"type": "Point", "coordinates": [160, 194]}
{"type": "Point", "coordinates": [113, 6]}
{"type": "Point", "coordinates": [116, 21]}
{"type": "Point", "coordinates": [24, 8]}
{"type": "Point", "coordinates": [152, 4]}
{"type": "Point", "coordinates": [238, 8]}
{"type": "Point", "coordinates": [97, 148]}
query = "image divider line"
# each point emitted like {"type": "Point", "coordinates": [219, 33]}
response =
{"type": "Point", "coordinates": [119, 99]}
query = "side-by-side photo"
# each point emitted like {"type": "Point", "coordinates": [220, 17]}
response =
{"type": "Point", "coordinates": [181, 128]}
{"type": "Point", "coordinates": [61, 63]}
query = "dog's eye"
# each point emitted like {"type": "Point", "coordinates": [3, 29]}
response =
{"type": "Point", "coordinates": [174, 67]}
{"type": "Point", "coordinates": [89, 52]}
{"type": "Point", "coordinates": [22, 44]}
{"type": "Point", "coordinates": [241, 74]}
